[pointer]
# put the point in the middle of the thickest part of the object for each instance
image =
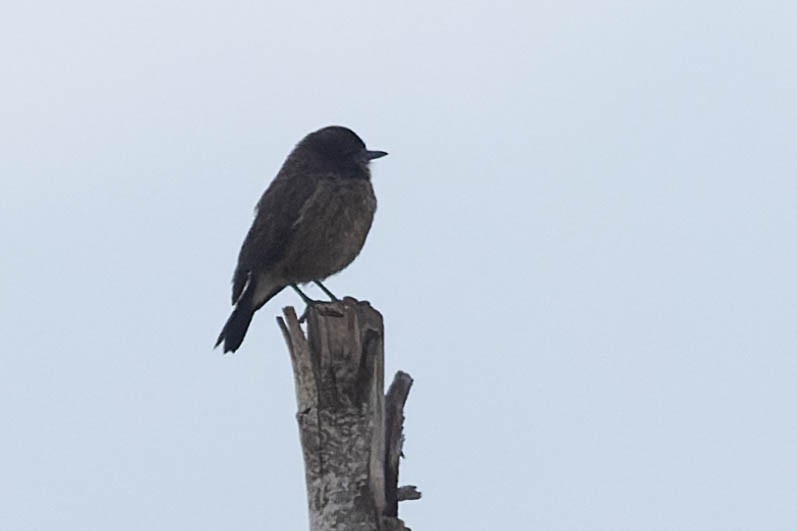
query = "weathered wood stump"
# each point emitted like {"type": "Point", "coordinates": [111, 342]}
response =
{"type": "Point", "coordinates": [351, 434]}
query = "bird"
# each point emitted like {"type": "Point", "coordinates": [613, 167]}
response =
{"type": "Point", "coordinates": [310, 223]}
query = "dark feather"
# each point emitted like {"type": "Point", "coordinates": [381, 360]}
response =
{"type": "Point", "coordinates": [272, 229]}
{"type": "Point", "coordinates": [237, 325]}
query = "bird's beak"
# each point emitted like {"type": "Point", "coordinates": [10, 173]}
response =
{"type": "Point", "coordinates": [371, 155]}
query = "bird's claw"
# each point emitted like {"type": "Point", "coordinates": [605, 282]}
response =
{"type": "Point", "coordinates": [325, 309]}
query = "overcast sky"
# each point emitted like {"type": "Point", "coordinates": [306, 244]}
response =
{"type": "Point", "coordinates": [584, 253]}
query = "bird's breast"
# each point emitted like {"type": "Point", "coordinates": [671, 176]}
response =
{"type": "Point", "coordinates": [331, 228]}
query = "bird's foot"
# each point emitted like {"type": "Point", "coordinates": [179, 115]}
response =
{"type": "Point", "coordinates": [327, 309]}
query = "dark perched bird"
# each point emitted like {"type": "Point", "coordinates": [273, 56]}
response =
{"type": "Point", "coordinates": [309, 224]}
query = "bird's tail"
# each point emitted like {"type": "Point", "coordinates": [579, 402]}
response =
{"type": "Point", "coordinates": [235, 328]}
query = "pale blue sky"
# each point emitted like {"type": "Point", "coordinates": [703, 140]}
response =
{"type": "Point", "coordinates": [584, 252]}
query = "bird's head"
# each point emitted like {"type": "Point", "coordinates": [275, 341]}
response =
{"type": "Point", "coordinates": [341, 148]}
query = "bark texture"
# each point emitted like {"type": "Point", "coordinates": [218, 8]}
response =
{"type": "Point", "coordinates": [350, 453]}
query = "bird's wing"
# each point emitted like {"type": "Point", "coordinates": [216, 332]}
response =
{"type": "Point", "coordinates": [273, 227]}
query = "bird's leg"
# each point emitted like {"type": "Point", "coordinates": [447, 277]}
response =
{"type": "Point", "coordinates": [310, 302]}
{"type": "Point", "coordinates": [325, 290]}
{"type": "Point", "coordinates": [307, 300]}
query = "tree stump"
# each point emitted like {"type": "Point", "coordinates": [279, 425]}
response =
{"type": "Point", "coordinates": [351, 440]}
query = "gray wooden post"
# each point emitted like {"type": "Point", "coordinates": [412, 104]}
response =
{"type": "Point", "coordinates": [350, 452]}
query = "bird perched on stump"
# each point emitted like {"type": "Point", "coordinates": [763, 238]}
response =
{"type": "Point", "coordinates": [310, 223]}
